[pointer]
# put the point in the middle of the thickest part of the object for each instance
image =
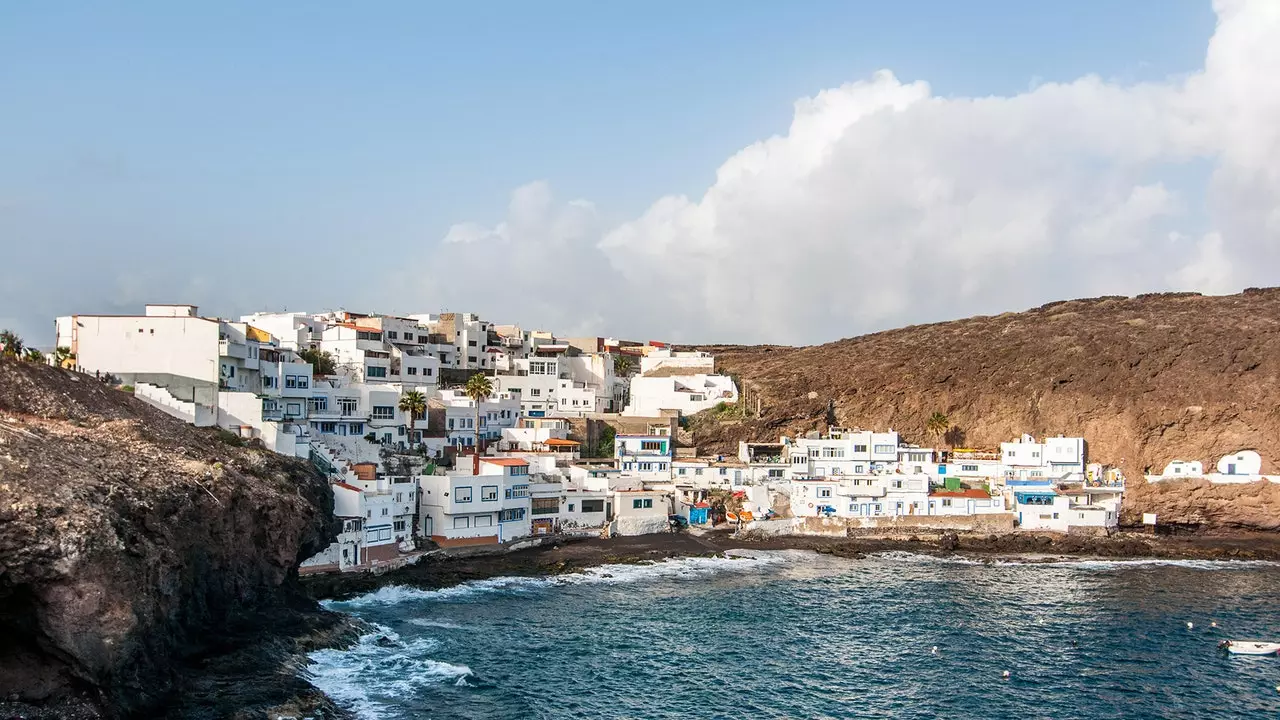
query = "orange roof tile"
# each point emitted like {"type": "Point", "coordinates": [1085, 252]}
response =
{"type": "Point", "coordinates": [557, 441]}
{"type": "Point", "coordinates": [505, 461]}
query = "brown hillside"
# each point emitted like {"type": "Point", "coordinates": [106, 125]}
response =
{"type": "Point", "coordinates": [1146, 380]}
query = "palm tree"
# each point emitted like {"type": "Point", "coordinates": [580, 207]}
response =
{"type": "Point", "coordinates": [414, 404]}
{"type": "Point", "coordinates": [11, 345]}
{"type": "Point", "coordinates": [33, 356]}
{"type": "Point", "coordinates": [62, 355]}
{"type": "Point", "coordinates": [937, 424]}
{"type": "Point", "coordinates": [479, 387]}
{"type": "Point", "coordinates": [622, 365]}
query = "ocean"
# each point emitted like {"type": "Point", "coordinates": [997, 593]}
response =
{"type": "Point", "coordinates": [794, 634]}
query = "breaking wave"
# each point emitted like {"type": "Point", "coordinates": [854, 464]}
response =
{"type": "Point", "coordinates": [380, 664]}
{"type": "Point", "coordinates": [733, 561]}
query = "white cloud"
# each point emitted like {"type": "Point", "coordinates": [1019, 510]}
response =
{"type": "Point", "coordinates": [885, 205]}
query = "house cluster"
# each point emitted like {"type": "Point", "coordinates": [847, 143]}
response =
{"type": "Point", "coordinates": [564, 435]}
{"type": "Point", "coordinates": [332, 387]}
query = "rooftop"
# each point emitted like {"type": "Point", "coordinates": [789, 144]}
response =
{"type": "Point", "coordinates": [971, 493]}
{"type": "Point", "coordinates": [505, 461]}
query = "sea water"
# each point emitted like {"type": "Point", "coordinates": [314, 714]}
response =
{"type": "Point", "coordinates": [794, 634]}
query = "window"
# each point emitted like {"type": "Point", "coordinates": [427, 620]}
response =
{"type": "Point", "coordinates": [640, 503]}
{"type": "Point", "coordinates": [426, 371]}
{"type": "Point", "coordinates": [520, 470]}
{"type": "Point", "coordinates": [384, 512]}
{"type": "Point", "coordinates": [591, 506]}
{"type": "Point", "coordinates": [488, 492]}
{"type": "Point", "coordinates": [362, 335]}
{"type": "Point", "coordinates": [328, 427]}
{"type": "Point", "coordinates": [399, 525]}
{"type": "Point", "coordinates": [535, 392]}
{"type": "Point", "coordinates": [698, 471]}
{"type": "Point", "coordinates": [356, 429]}
{"type": "Point", "coordinates": [917, 457]}
{"type": "Point", "coordinates": [318, 404]}
{"type": "Point", "coordinates": [391, 334]}
{"type": "Point", "coordinates": [348, 406]}
{"type": "Point", "coordinates": [376, 371]}
{"type": "Point", "coordinates": [885, 449]}
{"type": "Point", "coordinates": [775, 473]}
{"type": "Point", "coordinates": [545, 506]}
{"type": "Point", "coordinates": [512, 515]}
{"type": "Point", "coordinates": [969, 468]}
{"type": "Point", "coordinates": [680, 471]}
{"type": "Point", "coordinates": [471, 343]}
{"type": "Point", "coordinates": [824, 492]}
{"type": "Point", "coordinates": [293, 409]}
{"type": "Point", "coordinates": [517, 491]}
{"type": "Point", "coordinates": [897, 484]}
{"type": "Point", "coordinates": [471, 358]}
{"type": "Point", "coordinates": [570, 507]}
{"type": "Point", "coordinates": [399, 497]}
{"type": "Point", "coordinates": [270, 382]}
{"type": "Point", "coordinates": [462, 522]}
{"type": "Point", "coordinates": [946, 502]}
{"type": "Point", "coordinates": [859, 448]}
{"type": "Point", "coordinates": [462, 494]}
{"type": "Point", "coordinates": [831, 452]}
{"type": "Point", "coordinates": [651, 445]}
{"type": "Point", "coordinates": [1013, 453]}
{"type": "Point", "coordinates": [384, 412]}
{"type": "Point", "coordinates": [412, 370]}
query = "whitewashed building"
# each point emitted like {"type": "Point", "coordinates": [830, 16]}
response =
{"type": "Point", "coordinates": [491, 506]}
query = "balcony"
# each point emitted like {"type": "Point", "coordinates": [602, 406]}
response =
{"type": "Point", "coordinates": [228, 348]}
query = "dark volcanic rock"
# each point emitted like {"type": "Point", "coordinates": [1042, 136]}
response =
{"type": "Point", "coordinates": [134, 547]}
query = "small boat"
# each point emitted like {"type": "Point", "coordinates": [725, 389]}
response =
{"type": "Point", "coordinates": [1249, 647]}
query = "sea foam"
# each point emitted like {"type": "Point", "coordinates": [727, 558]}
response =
{"type": "Point", "coordinates": [733, 561]}
{"type": "Point", "coordinates": [358, 676]}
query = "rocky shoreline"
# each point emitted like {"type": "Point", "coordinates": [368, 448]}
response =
{"type": "Point", "coordinates": [576, 555]}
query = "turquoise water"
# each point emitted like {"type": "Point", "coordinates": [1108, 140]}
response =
{"type": "Point", "coordinates": [798, 635]}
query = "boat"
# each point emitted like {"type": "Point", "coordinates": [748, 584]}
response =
{"type": "Point", "coordinates": [1249, 647]}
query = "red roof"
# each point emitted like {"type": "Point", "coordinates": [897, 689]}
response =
{"type": "Point", "coordinates": [977, 494]}
{"type": "Point", "coordinates": [345, 486]}
{"type": "Point", "coordinates": [557, 441]}
{"type": "Point", "coordinates": [505, 461]}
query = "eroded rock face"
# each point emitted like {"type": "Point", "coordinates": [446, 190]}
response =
{"type": "Point", "coordinates": [130, 541]}
{"type": "Point", "coordinates": [1146, 380]}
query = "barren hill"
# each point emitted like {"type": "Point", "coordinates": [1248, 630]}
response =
{"type": "Point", "coordinates": [1146, 380]}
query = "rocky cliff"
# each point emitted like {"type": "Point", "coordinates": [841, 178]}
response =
{"type": "Point", "coordinates": [1146, 380]}
{"type": "Point", "coordinates": [133, 546]}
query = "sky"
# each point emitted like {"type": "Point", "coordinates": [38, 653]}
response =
{"type": "Point", "coordinates": [695, 172]}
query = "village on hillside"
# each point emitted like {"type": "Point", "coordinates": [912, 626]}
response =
{"type": "Point", "coordinates": [446, 430]}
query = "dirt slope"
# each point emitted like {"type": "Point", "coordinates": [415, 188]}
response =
{"type": "Point", "coordinates": [1146, 380]}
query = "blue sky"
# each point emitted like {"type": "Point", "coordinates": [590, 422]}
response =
{"type": "Point", "coordinates": [153, 148]}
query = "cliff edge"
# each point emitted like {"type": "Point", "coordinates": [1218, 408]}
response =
{"type": "Point", "coordinates": [1146, 380]}
{"type": "Point", "coordinates": [133, 545]}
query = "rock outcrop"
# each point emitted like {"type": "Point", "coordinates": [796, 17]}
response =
{"type": "Point", "coordinates": [1146, 380]}
{"type": "Point", "coordinates": [132, 545]}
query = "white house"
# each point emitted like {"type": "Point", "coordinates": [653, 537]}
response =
{"type": "Point", "coordinates": [687, 393]}
{"type": "Point", "coordinates": [1183, 469]}
{"type": "Point", "coordinates": [1061, 458]}
{"type": "Point", "coordinates": [687, 363]}
{"type": "Point", "coordinates": [641, 511]}
{"type": "Point", "coordinates": [491, 506]}
{"type": "Point", "coordinates": [648, 455]}
{"type": "Point", "coordinates": [496, 415]}
{"type": "Point", "coordinates": [972, 501]}
{"type": "Point", "coordinates": [1243, 462]}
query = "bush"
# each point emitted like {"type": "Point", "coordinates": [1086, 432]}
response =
{"type": "Point", "coordinates": [230, 438]}
{"type": "Point", "coordinates": [127, 388]}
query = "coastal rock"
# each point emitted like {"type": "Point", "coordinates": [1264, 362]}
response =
{"type": "Point", "coordinates": [132, 544]}
{"type": "Point", "coordinates": [1145, 380]}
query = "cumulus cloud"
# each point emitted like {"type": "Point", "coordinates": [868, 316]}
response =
{"type": "Point", "coordinates": [884, 204]}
